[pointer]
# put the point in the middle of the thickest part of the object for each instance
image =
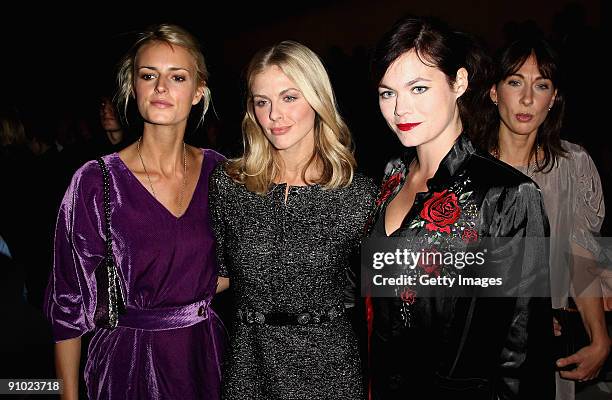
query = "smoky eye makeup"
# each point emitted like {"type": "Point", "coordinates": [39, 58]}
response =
{"type": "Point", "coordinates": [259, 101]}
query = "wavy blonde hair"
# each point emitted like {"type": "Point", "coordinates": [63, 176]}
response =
{"type": "Point", "coordinates": [172, 35]}
{"type": "Point", "coordinates": [333, 150]}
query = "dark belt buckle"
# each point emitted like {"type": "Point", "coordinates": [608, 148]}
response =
{"type": "Point", "coordinates": [201, 311]}
{"type": "Point", "coordinates": [333, 313]}
{"type": "Point", "coordinates": [303, 318]}
{"type": "Point", "coordinates": [260, 318]}
{"type": "Point", "coordinates": [255, 317]}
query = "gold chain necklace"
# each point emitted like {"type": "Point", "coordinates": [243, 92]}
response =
{"type": "Point", "coordinates": [535, 160]}
{"type": "Point", "coordinates": [182, 192]}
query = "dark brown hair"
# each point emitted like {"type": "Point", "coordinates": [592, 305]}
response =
{"type": "Point", "coordinates": [509, 60]}
{"type": "Point", "coordinates": [437, 45]}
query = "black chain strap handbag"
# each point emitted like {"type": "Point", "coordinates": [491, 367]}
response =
{"type": "Point", "coordinates": [110, 299]}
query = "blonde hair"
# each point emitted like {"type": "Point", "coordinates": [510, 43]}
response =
{"type": "Point", "coordinates": [172, 35]}
{"type": "Point", "coordinates": [259, 164]}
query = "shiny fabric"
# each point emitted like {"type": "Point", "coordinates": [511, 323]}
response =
{"type": "Point", "coordinates": [164, 262]}
{"type": "Point", "coordinates": [163, 319]}
{"type": "Point", "coordinates": [506, 351]}
{"type": "Point", "coordinates": [290, 257]}
{"type": "Point", "coordinates": [574, 203]}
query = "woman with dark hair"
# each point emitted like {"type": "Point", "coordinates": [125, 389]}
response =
{"type": "Point", "coordinates": [523, 125]}
{"type": "Point", "coordinates": [444, 196]}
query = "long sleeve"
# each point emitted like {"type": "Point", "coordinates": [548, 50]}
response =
{"type": "Point", "coordinates": [215, 199]}
{"type": "Point", "coordinates": [79, 247]}
{"type": "Point", "coordinates": [364, 190]}
{"type": "Point", "coordinates": [589, 208]}
{"type": "Point", "coordinates": [527, 362]}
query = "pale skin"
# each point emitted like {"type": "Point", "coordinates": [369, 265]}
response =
{"type": "Point", "coordinates": [412, 92]}
{"type": "Point", "coordinates": [528, 93]}
{"type": "Point", "coordinates": [288, 122]}
{"type": "Point", "coordinates": [165, 89]}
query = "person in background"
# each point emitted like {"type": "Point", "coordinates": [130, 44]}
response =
{"type": "Point", "coordinates": [167, 342]}
{"type": "Point", "coordinates": [523, 125]}
{"type": "Point", "coordinates": [445, 196]}
{"type": "Point", "coordinates": [111, 123]}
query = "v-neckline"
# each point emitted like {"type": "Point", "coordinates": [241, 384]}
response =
{"type": "Point", "coordinates": [143, 188]}
{"type": "Point", "coordinates": [417, 195]}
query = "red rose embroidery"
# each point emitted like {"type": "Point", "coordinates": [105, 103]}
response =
{"type": "Point", "coordinates": [430, 260]}
{"type": "Point", "coordinates": [388, 187]}
{"type": "Point", "coordinates": [469, 235]}
{"type": "Point", "coordinates": [440, 211]}
{"type": "Point", "coordinates": [408, 296]}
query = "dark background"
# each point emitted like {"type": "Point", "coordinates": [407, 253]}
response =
{"type": "Point", "coordinates": [57, 60]}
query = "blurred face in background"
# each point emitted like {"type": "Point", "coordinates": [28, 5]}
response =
{"type": "Point", "coordinates": [108, 116]}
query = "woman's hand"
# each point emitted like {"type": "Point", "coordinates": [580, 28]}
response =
{"type": "Point", "coordinates": [556, 327]}
{"type": "Point", "coordinates": [222, 284]}
{"type": "Point", "coordinates": [588, 360]}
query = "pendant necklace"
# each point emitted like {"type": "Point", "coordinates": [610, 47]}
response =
{"type": "Point", "coordinates": [495, 153]}
{"type": "Point", "coordinates": [182, 192]}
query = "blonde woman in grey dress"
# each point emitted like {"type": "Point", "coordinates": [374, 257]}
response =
{"type": "Point", "coordinates": [288, 216]}
{"type": "Point", "coordinates": [524, 126]}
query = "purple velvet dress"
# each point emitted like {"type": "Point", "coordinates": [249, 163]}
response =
{"type": "Point", "coordinates": [168, 345]}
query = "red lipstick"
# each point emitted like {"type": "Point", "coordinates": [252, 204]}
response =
{"type": "Point", "coordinates": [408, 126]}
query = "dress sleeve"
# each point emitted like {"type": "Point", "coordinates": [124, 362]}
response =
{"type": "Point", "coordinates": [589, 208]}
{"type": "Point", "coordinates": [70, 299]}
{"type": "Point", "coordinates": [527, 357]}
{"type": "Point", "coordinates": [216, 203]}
{"type": "Point", "coordinates": [363, 203]}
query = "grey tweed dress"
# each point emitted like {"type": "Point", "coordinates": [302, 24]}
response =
{"type": "Point", "coordinates": [289, 257]}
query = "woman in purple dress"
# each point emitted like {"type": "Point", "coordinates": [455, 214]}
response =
{"type": "Point", "coordinates": [167, 341]}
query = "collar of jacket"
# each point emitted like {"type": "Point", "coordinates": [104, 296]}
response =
{"type": "Point", "coordinates": [461, 152]}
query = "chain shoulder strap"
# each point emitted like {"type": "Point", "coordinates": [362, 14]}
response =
{"type": "Point", "coordinates": [115, 297]}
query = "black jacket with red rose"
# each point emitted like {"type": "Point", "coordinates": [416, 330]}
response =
{"type": "Point", "coordinates": [468, 346]}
